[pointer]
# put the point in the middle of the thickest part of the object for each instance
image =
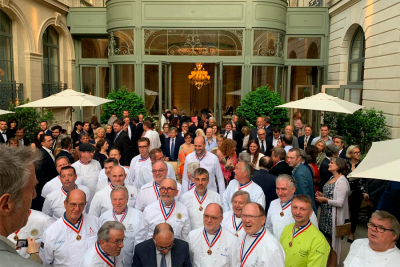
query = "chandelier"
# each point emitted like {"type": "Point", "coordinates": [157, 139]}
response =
{"type": "Point", "coordinates": [199, 77]}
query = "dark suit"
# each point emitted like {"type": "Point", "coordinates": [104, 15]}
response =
{"type": "Point", "coordinates": [269, 130]}
{"type": "Point", "coordinates": [123, 144]}
{"type": "Point", "coordinates": [253, 133]}
{"type": "Point", "coordinates": [267, 183]}
{"type": "Point", "coordinates": [324, 174]}
{"type": "Point", "coordinates": [301, 141]}
{"type": "Point", "coordinates": [8, 134]}
{"type": "Point", "coordinates": [10, 257]}
{"type": "Point", "coordinates": [305, 183]}
{"type": "Point", "coordinates": [65, 154]}
{"type": "Point", "coordinates": [281, 168]}
{"type": "Point", "coordinates": [136, 135]}
{"type": "Point", "coordinates": [343, 154]}
{"type": "Point", "coordinates": [270, 146]}
{"type": "Point", "coordinates": [145, 254]}
{"type": "Point", "coordinates": [265, 151]}
{"type": "Point", "coordinates": [167, 147]}
{"type": "Point", "coordinates": [229, 110]}
{"type": "Point", "coordinates": [238, 138]}
{"type": "Point", "coordinates": [26, 141]}
{"type": "Point", "coordinates": [48, 132]}
{"type": "Point", "coordinates": [44, 173]}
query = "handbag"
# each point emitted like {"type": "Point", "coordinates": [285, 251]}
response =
{"type": "Point", "coordinates": [342, 229]}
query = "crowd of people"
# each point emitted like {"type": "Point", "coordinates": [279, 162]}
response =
{"type": "Point", "coordinates": [197, 193]}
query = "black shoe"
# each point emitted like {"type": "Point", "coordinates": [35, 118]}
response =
{"type": "Point", "coordinates": [350, 240]}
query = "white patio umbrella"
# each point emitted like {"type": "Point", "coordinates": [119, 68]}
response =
{"type": "Point", "coordinates": [2, 112]}
{"type": "Point", "coordinates": [237, 92]}
{"type": "Point", "coordinates": [382, 162]}
{"type": "Point", "coordinates": [149, 92]}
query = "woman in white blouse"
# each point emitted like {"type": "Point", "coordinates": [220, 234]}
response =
{"type": "Point", "coordinates": [255, 153]}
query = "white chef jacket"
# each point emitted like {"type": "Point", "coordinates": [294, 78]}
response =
{"type": "Point", "coordinates": [148, 194]}
{"type": "Point", "coordinates": [89, 174]}
{"type": "Point", "coordinates": [103, 176]}
{"type": "Point", "coordinates": [37, 223]}
{"type": "Point", "coordinates": [268, 252]}
{"type": "Point", "coordinates": [136, 164]}
{"type": "Point", "coordinates": [54, 202]}
{"type": "Point", "coordinates": [254, 190]}
{"type": "Point", "coordinates": [131, 222]}
{"type": "Point", "coordinates": [229, 223]}
{"type": "Point", "coordinates": [361, 254]}
{"type": "Point", "coordinates": [152, 216]}
{"type": "Point", "coordinates": [145, 175]}
{"type": "Point", "coordinates": [59, 245]}
{"type": "Point", "coordinates": [275, 223]}
{"type": "Point", "coordinates": [93, 259]}
{"type": "Point", "coordinates": [192, 204]}
{"type": "Point", "coordinates": [154, 138]}
{"type": "Point", "coordinates": [209, 162]}
{"type": "Point", "coordinates": [222, 251]}
{"type": "Point", "coordinates": [102, 200]}
{"type": "Point", "coordinates": [55, 184]}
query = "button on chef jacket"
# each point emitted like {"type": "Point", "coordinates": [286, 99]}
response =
{"type": "Point", "coordinates": [136, 164]}
{"type": "Point", "coordinates": [190, 201]}
{"type": "Point", "coordinates": [254, 190]}
{"type": "Point", "coordinates": [93, 259]}
{"type": "Point", "coordinates": [229, 225]}
{"type": "Point", "coordinates": [148, 195]}
{"type": "Point", "coordinates": [89, 174]}
{"type": "Point", "coordinates": [54, 202]}
{"type": "Point", "coordinates": [275, 223]}
{"type": "Point", "coordinates": [37, 223]}
{"type": "Point", "coordinates": [60, 247]}
{"type": "Point", "coordinates": [146, 175]}
{"type": "Point", "coordinates": [222, 251]}
{"type": "Point", "coordinates": [131, 222]}
{"type": "Point", "coordinates": [55, 184]}
{"type": "Point", "coordinates": [102, 200]}
{"type": "Point", "coordinates": [152, 216]}
{"type": "Point", "coordinates": [103, 178]}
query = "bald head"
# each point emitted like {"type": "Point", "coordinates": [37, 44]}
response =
{"type": "Point", "coordinates": [118, 176]}
{"type": "Point", "coordinates": [163, 237]}
{"type": "Point", "coordinates": [76, 195]}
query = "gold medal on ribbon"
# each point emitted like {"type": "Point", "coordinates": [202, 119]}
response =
{"type": "Point", "coordinates": [15, 238]}
{"type": "Point", "coordinates": [282, 214]}
{"type": "Point", "coordinates": [179, 216]}
{"type": "Point", "coordinates": [201, 208]}
{"type": "Point", "coordinates": [290, 244]}
{"type": "Point", "coordinates": [78, 237]}
{"type": "Point", "coordinates": [34, 232]}
{"type": "Point", "coordinates": [236, 234]}
{"type": "Point", "coordinates": [209, 252]}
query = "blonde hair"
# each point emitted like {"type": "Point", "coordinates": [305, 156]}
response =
{"type": "Point", "coordinates": [200, 132]}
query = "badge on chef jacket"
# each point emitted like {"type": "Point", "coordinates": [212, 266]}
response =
{"type": "Point", "coordinates": [130, 227]}
{"type": "Point", "coordinates": [179, 216]}
{"type": "Point", "coordinates": [34, 232]}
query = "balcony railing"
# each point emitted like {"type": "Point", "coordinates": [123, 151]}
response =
{"type": "Point", "coordinates": [53, 88]}
{"type": "Point", "coordinates": [307, 3]}
{"type": "Point", "coordinates": [11, 93]}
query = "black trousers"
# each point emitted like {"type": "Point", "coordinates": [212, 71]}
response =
{"type": "Point", "coordinates": [355, 200]}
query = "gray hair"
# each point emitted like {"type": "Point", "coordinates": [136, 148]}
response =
{"type": "Point", "coordinates": [292, 181]}
{"type": "Point", "coordinates": [120, 188]}
{"type": "Point", "coordinates": [394, 223]}
{"type": "Point", "coordinates": [350, 150]}
{"type": "Point", "coordinates": [331, 150]}
{"type": "Point", "coordinates": [165, 164]}
{"type": "Point", "coordinates": [244, 157]}
{"type": "Point", "coordinates": [249, 169]}
{"type": "Point", "coordinates": [201, 171]}
{"type": "Point", "coordinates": [241, 193]}
{"type": "Point", "coordinates": [84, 133]}
{"type": "Point", "coordinates": [191, 167]}
{"type": "Point", "coordinates": [211, 118]}
{"type": "Point", "coordinates": [341, 139]}
{"type": "Point", "coordinates": [173, 129]}
{"type": "Point", "coordinates": [14, 174]}
{"type": "Point", "coordinates": [104, 231]}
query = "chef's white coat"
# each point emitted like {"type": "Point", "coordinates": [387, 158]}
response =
{"type": "Point", "coordinates": [89, 174]}
{"type": "Point", "coordinates": [55, 184]}
{"type": "Point", "coordinates": [145, 175]}
{"type": "Point", "coordinates": [190, 201]}
{"type": "Point", "coordinates": [92, 258]}
{"type": "Point", "coordinates": [147, 195]}
{"type": "Point", "coordinates": [254, 190]}
{"type": "Point", "coordinates": [136, 164]}
{"type": "Point", "coordinates": [229, 225]}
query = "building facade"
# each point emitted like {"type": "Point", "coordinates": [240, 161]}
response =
{"type": "Point", "coordinates": [346, 48]}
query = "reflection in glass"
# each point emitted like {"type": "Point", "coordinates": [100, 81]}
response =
{"type": "Point", "coordinates": [232, 87]}
{"type": "Point", "coordinates": [268, 43]}
{"type": "Point", "coordinates": [105, 82]}
{"type": "Point", "coordinates": [304, 47]}
{"type": "Point", "coordinates": [121, 42]}
{"type": "Point", "coordinates": [354, 72]}
{"type": "Point", "coordinates": [94, 48]}
{"type": "Point", "coordinates": [88, 87]}
{"type": "Point", "coordinates": [263, 75]}
{"type": "Point", "coordinates": [353, 95]}
{"type": "Point", "coordinates": [51, 62]}
{"type": "Point", "coordinates": [125, 76]}
{"type": "Point", "coordinates": [151, 89]}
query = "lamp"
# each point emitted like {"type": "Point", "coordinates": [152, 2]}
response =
{"type": "Point", "coordinates": [199, 77]}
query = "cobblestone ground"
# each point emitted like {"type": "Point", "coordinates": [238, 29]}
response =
{"type": "Point", "coordinates": [361, 232]}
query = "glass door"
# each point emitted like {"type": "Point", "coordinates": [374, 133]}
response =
{"type": "Point", "coordinates": [218, 87]}
{"type": "Point", "coordinates": [164, 90]}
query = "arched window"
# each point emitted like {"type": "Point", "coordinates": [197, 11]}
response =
{"type": "Point", "coordinates": [357, 58]}
{"type": "Point", "coordinates": [51, 61]}
{"type": "Point", "coordinates": [6, 60]}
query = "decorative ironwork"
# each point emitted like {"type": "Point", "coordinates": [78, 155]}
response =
{"type": "Point", "coordinates": [11, 93]}
{"type": "Point", "coordinates": [193, 42]}
{"type": "Point", "coordinates": [268, 43]}
{"type": "Point", "coordinates": [121, 43]}
{"type": "Point", "coordinates": [53, 88]}
{"type": "Point", "coordinates": [316, 3]}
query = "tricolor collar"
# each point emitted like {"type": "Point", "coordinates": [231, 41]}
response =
{"type": "Point", "coordinates": [84, 163]}
{"type": "Point", "coordinates": [105, 257]}
{"type": "Point", "coordinates": [241, 186]}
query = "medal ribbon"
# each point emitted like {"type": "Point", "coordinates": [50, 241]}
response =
{"type": "Point", "coordinates": [16, 233]}
{"type": "Point", "coordinates": [191, 185]}
{"type": "Point", "coordinates": [144, 159]}
{"type": "Point", "coordinates": [156, 186]}
{"type": "Point", "coordinates": [301, 229]}
{"type": "Point", "coordinates": [66, 192]}
{"type": "Point", "coordinates": [215, 239]}
{"type": "Point", "coordinates": [84, 163]}
{"type": "Point", "coordinates": [123, 215]}
{"type": "Point", "coordinates": [200, 159]}
{"type": "Point", "coordinates": [76, 229]}
{"type": "Point", "coordinates": [104, 257]}
{"type": "Point", "coordinates": [164, 211]}
{"type": "Point", "coordinates": [253, 245]}
{"type": "Point", "coordinates": [198, 197]}
{"type": "Point", "coordinates": [241, 186]}
{"type": "Point", "coordinates": [287, 205]}
{"type": "Point", "coordinates": [235, 226]}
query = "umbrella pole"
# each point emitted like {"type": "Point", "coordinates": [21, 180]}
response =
{"type": "Point", "coordinates": [322, 117]}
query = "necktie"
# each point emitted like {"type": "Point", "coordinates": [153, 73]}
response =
{"type": "Point", "coordinates": [262, 147]}
{"type": "Point", "coordinates": [163, 261]}
{"type": "Point", "coordinates": [305, 142]}
{"type": "Point", "coordinates": [173, 149]}
{"type": "Point", "coordinates": [116, 136]}
{"type": "Point", "coordinates": [226, 136]}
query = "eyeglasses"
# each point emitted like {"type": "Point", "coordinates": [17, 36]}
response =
{"type": "Point", "coordinates": [74, 205]}
{"type": "Point", "coordinates": [158, 171]}
{"type": "Point", "coordinates": [380, 229]}
{"type": "Point", "coordinates": [358, 152]}
{"type": "Point", "coordinates": [210, 217]}
{"type": "Point", "coordinates": [251, 217]}
{"type": "Point", "coordinates": [118, 242]}
{"type": "Point", "coordinates": [168, 189]}
{"type": "Point", "coordinates": [164, 248]}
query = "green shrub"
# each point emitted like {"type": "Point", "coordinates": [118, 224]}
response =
{"type": "Point", "coordinates": [29, 118]}
{"type": "Point", "coordinates": [262, 102]}
{"type": "Point", "coordinates": [360, 128]}
{"type": "Point", "coordinates": [123, 99]}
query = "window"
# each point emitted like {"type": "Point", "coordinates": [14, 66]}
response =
{"type": "Point", "coordinates": [94, 48]}
{"type": "Point", "coordinates": [6, 63]}
{"type": "Point", "coordinates": [51, 60]}
{"type": "Point", "coordinates": [125, 76]}
{"type": "Point", "coordinates": [268, 43]}
{"type": "Point", "coordinates": [121, 43]}
{"type": "Point", "coordinates": [263, 75]}
{"type": "Point", "coordinates": [357, 58]}
{"type": "Point", "coordinates": [304, 48]}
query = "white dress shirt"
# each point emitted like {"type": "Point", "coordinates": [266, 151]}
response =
{"type": "Point", "coordinates": [102, 200]}
{"type": "Point", "coordinates": [274, 141]}
{"type": "Point", "coordinates": [59, 244]}
{"type": "Point", "coordinates": [89, 172]}
{"type": "Point", "coordinates": [275, 223]}
{"type": "Point", "coordinates": [136, 164]}
{"type": "Point", "coordinates": [232, 223]}
{"type": "Point", "coordinates": [167, 258]}
{"type": "Point", "coordinates": [153, 215]}
{"type": "Point", "coordinates": [209, 162]}
{"type": "Point", "coordinates": [37, 223]}
{"type": "Point", "coordinates": [92, 258]}
{"type": "Point", "coordinates": [146, 175]}
{"type": "Point", "coordinates": [4, 136]}
{"type": "Point", "coordinates": [229, 135]}
{"type": "Point", "coordinates": [254, 190]}
{"type": "Point", "coordinates": [189, 199]}
{"type": "Point", "coordinates": [50, 153]}
{"type": "Point", "coordinates": [154, 139]}
{"type": "Point", "coordinates": [102, 180]}
{"type": "Point", "coordinates": [222, 251]}
{"type": "Point", "coordinates": [131, 223]}
{"type": "Point", "coordinates": [54, 202]}
{"type": "Point", "coordinates": [55, 184]}
{"type": "Point", "coordinates": [148, 194]}
{"type": "Point", "coordinates": [260, 155]}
